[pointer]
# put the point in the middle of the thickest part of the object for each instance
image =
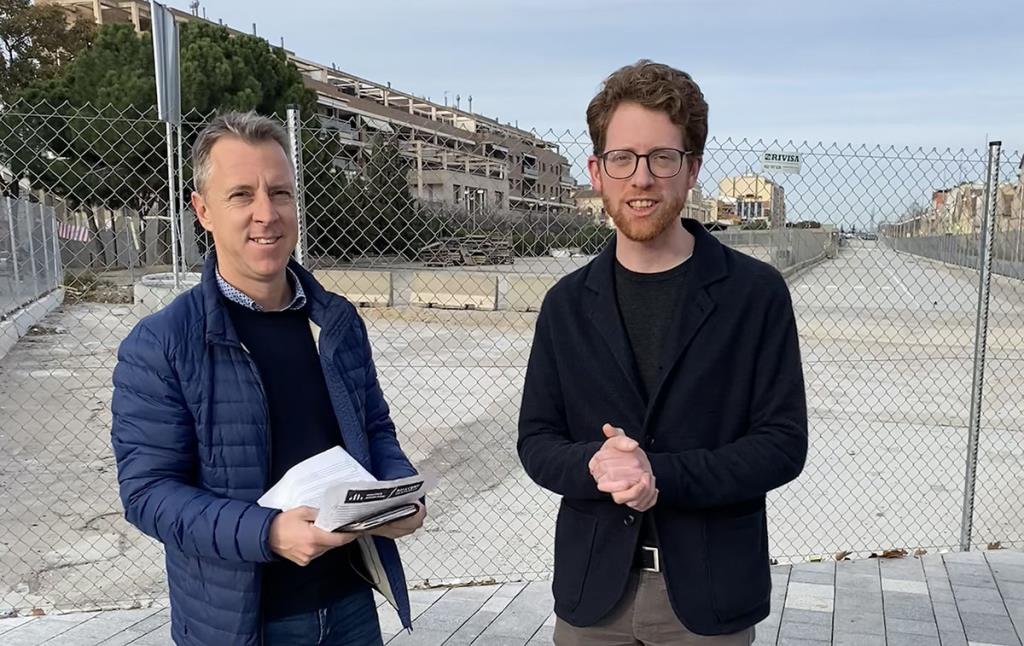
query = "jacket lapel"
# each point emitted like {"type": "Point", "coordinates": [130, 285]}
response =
{"type": "Point", "coordinates": [327, 323]}
{"type": "Point", "coordinates": [603, 313]}
{"type": "Point", "coordinates": [697, 305]}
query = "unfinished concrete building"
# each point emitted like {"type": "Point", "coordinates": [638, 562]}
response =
{"type": "Point", "coordinates": [458, 158]}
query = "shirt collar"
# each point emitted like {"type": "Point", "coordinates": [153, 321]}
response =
{"type": "Point", "coordinates": [236, 295]}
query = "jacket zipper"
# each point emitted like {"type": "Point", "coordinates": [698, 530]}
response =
{"type": "Point", "coordinates": [270, 464]}
{"type": "Point", "coordinates": [266, 413]}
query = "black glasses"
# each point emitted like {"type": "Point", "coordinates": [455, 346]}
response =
{"type": "Point", "coordinates": [661, 162]}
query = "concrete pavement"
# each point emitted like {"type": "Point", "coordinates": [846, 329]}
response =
{"type": "Point", "coordinates": [887, 342]}
{"type": "Point", "coordinates": [956, 599]}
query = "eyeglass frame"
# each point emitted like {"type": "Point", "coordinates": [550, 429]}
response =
{"type": "Point", "coordinates": [683, 154]}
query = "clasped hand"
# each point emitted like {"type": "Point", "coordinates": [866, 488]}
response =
{"type": "Point", "coordinates": [622, 469]}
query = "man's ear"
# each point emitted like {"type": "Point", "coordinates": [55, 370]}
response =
{"type": "Point", "coordinates": [594, 169]}
{"type": "Point", "coordinates": [202, 214]}
{"type": "Point", "coordinates": [694, 170]}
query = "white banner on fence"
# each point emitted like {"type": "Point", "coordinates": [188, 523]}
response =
{"type": "Point", "coordinates": [776, 162]}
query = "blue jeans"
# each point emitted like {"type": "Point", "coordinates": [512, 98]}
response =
{"type": "Point", "coordinates": [349, 621]}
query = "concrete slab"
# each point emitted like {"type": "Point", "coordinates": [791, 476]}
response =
{"type": "Point", "coordinates": [362, 287]}
{"type": "Point", "coordinates": [454, 290]}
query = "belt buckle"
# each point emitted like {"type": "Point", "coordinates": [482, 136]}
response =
{"type": "Point", "coordinates": [657, 558]}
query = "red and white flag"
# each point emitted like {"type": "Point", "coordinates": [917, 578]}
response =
{"type": "Point", "coordinates": [70, 231]}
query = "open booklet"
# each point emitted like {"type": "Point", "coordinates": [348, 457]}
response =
{"type": "Point", "coordinates": [347, 495]}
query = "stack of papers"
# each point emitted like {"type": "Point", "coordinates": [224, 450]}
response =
{"type": "Point", "coordinates": [342, 490]}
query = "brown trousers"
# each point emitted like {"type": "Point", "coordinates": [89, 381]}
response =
{"type": "Point", "coordinates": [644, 617]}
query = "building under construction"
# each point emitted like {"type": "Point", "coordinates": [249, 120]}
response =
{"type": "Point", "coordinates": [457, 157]}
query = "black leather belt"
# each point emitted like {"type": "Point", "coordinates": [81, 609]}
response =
{"type": "Point", "coordinates": [647, 558]}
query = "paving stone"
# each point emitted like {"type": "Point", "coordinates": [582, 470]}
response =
{"type": "Point", "coordinates": [810, 596]}
{"type": "Point", "coordinates": [793, 641]}
{"type": "Point", "coordinates": [855, 639]}
{"type": "Point", "coordinates": [820, 632]}
{"type": "Point", "coordinates": [42, 629]}
{"type": "Point", "coordinates": [926, 628]}
{"type": "Point", "coordinates": [915, 611]}
{"type": "Point", "coordinates": [981, 594]}
{"type": "Point", "coordinates": [906, 639]}
{"type": "Point", "coordinates": [798, 616]}
{"type": "Point", "coordinates": [904, 586]}
{"type": "Point", "coordinates": [982, 607]}
{"type": "Point", "coordinates": [952, 637]}
{"type": "Point", "coordinates": [823, 577]}
{"type": "Point", "coordinates": [523, 616]}
{"type": "Point", "coordinates": [859, 623]}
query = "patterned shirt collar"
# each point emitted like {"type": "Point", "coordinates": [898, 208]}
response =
{"type": "Point", "coordinates": [235, 295]}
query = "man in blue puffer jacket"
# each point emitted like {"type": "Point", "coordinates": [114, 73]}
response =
{"type": "Point", "coordinates": [252, 371]}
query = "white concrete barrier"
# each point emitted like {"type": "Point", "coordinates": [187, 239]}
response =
{"type": "Point", "coordinates": [461, 290]}
{"type": "Point", "coordinates": [17, 324]}
{"type": "Point", "coordinates": [363, 288]}
{"type": "Point", "coordinates": [525, 293]}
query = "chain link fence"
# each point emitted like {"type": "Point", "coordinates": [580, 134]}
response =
{"type": "Point", "coordinates": [30, 264]}
{"type": "Point", "coordinates": [448, 240]}
{"type": "Point", "coordinates": [964, 250]}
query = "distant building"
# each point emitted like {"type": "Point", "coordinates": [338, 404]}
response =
{"type": "Point", "coordinates": [589, 201]}
{"type": "Point", "coordinates": [959, 210]}
{"type": "Point", "coordinates": [745, 198]}
{"type": "Point", "coordinates": [1016, 222]}
{"type": "Point", "coordinates": [697, 207]}
{"type": "Point", "coordinates": [458, 157]}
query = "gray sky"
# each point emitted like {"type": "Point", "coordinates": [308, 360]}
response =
{"type": "Point", "coordinates": [907, 72]}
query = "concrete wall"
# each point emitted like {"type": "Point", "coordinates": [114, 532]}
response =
{"type": "Point", "coordinates": [454, 290]}
{"type": "Point", "coordinates": [18, 323]}
{"type": "Point", "coordinates": [524, 293]}
{"type": "Point", "coordinates": [363, 288]}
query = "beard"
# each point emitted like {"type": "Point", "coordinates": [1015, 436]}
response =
{"type": "Point", "coordinates": [667, 213]}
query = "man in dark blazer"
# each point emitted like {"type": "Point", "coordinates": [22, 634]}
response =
{"type": "Point", "coordinates": [664, 395]}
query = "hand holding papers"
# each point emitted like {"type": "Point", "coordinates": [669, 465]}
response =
{"type": "Point", "coordinates": [343, 491]}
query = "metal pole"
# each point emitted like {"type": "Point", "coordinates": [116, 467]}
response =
{"type": "Point", "coordinates": [1020, 211]}
{"type": "Point", "coordinates": [181, 201]}
{"type": "Point", "coordinates": [980, 339]}
{"type": "Point", "coordinates": [32, 250]}
{"type": "Point", "coordinates": [14, 242]}
{"type": "Point", "coordinates": [171, 205]}
{"type": "Point", "coordinates": [295, 139]}
{"type": "Point", "coordinates": [46, 244]}
{"type": "Point", "coordinates": [58, 274]}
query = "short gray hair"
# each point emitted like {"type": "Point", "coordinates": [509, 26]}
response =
{"type": "Point", "coordinates": [248, 126]}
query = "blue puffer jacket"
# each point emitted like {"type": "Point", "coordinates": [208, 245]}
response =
{"type": "Point", "coordinates": [190, 433]}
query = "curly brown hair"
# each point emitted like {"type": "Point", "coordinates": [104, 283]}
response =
{"type": "Point", "coordinates": [655, 86]}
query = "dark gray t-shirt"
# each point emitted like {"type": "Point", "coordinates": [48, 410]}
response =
{"type": "Point", "coordinates": [649, 305]}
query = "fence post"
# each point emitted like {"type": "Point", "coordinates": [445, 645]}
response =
{"type": "Point", "coordinates": [32, 250]}
{"type": "Point", "coordinates": [980, 339]}
{"type": "Point", "coordinates": [172, 211]}
{"type": "Point", "coordinates": [14, 243]}
{"type": "Point", "coordinates": [58, 263]}
{"type": "Point", "coordinates": [295, 139]}
{"type": "Point", "coordinates": [47, 247]}
{"type": "Point", "coordinates": [182, 201]}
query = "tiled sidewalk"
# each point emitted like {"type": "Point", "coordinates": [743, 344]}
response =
{"type": "Point", "coordinates": [957, 599]}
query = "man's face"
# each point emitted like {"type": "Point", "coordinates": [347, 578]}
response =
{"type": "Point", "coordinates": [248, 204]}
{"type": "Point", "coordinates": [643, 206]}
